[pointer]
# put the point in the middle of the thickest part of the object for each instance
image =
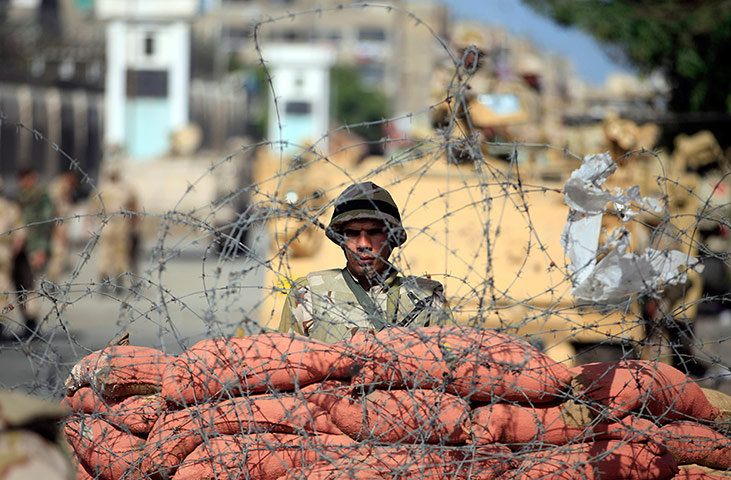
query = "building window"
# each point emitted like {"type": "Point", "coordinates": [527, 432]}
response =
{"type": "Point", "coordinates": [331, 36]}
{"type": "Point", "coordinates": [298, 108]}
{"type": "Point", "coordinates": [289, 35]}
{"type": "Point", "coordinates": [371, 34]}
{"type": "Point", "coordinates": [149, 44]}
{"type": "Point", "coordinates": [372, 73]}
{"type": "Point", "coordinates": [239, 33]}
{"type": "Point", "coordinates": [147, 83]}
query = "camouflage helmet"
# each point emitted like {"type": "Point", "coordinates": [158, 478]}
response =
{"type": "Point", "coordinates": [366, 201]}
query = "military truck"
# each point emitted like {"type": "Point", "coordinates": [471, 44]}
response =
{"type": "Point", "coordinates": [485, 216]}
{"type": "Point", "coordinates": [490, 236]}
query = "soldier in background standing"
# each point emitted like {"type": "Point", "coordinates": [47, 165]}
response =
{"type": "Point", "coordinates": [30, 263]}
{"type": "Point", "coordinates": [118, 233]}
{"type": "Point", "coordinates": [12, 240]}
{"type": "Point", "coordinates": [39, 213]}
{"type": "Point", "coordinates": [62, 193]}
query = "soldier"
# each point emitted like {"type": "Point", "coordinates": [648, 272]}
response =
{"type": "Point", "coordinates": [38, 211]}
{"type": "Point", "coordinates": [12, 240]}
{"type": "Point", "coordinates": [118, 234]}
{"type": "Point", "coordinates": [331, 305]}
{"type": "Point", "coordinates": [62, 193]}
{"type": "Point", "coordinates": [38, 217]}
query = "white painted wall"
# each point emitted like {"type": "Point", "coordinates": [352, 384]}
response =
{"type": "Point", "coordinates": [146, 9]}
{"type": "Point", "coordinates": [126, 51]}
{"type": "Point", "coordinates": [300, 73]}
{"type": "Point", "coordinates": [114, 133]}
{"type": "Point", "coordinates": [179, 79]}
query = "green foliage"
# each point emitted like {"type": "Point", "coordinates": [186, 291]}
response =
{"type": "Point", "coordinates": [257, 82]}
{"type": "Point", "coordinates": [355, 103]}
{"type": "Point", "coordinates": [684, 39]}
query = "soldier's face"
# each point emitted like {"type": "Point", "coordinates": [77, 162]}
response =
{"type": "Point", "coordinates": [28, 181]}
{"type": "Point", "coordinates": [366, 247]}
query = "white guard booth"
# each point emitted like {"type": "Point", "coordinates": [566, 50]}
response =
{"type": "Point", "coordinates": [148, 73]}
{"type": "Point", "coordinates": [299, 108]}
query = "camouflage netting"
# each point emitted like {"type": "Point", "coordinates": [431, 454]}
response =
{"type": "Point", "coordinates": [579, 346]}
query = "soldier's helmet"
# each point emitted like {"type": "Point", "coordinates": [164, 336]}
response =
{"type": "Point", "coordinates": [366, 201]}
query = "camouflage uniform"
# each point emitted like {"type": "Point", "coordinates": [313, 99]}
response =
{"type": "Point", "coordinates": [37, 209]}
{"type": "Point", "coordinates": [10, 219]}
{"type": "Point", "coordinates": [61, 191]}
{"type": "Point", "coordinates": [324, 307]}
{"type": "Point", "coordinates": [330, 305]}
{"type": "Point", "coordinates": [115, 240]}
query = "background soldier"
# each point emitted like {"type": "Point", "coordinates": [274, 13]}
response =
{"type": "Point", "coordinates": [119, 231]}
{"type": "Point", "coordinates": [38, 211]}
{"type": "Point", "coordinates": [12, 240]}
{"type": "Point", "coordinates": [62, 190]}
{"type": "Point", "coordinates": [368, 293]}
{"type": "Point", "coordinates": [38, 216]}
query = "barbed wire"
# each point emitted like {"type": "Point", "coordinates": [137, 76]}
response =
{"type": "Point", "coordinates": [527, 380]}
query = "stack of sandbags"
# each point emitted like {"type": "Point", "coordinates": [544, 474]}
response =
{"type": "Point", "coordinates": [115, 396]}
{"type": "Point", "coordinates": [518, 397]}
{"type": "Point", "coordinates": [625, 419]}
{"type": "Point", "coordinates": [435, 402]}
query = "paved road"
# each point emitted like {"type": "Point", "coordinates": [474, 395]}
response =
{"type": "Point", "coordinates": [186, 294]}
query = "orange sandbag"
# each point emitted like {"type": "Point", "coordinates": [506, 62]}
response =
{"type": "Point", "coordinates": [521, 425]}
{"type": "Point", "coordinates": [425, 462]}
{"type": "Point", "coordinates": [136, 413]}
{"type": "Point", "coordinates": [82, 473]}
{"type": "Point", "coordinates": [294, 458]}
{"type": "Point", "coordinates": [397, 357]}
{"type": "Point", "coordinates": [107, 452]}
{"type": "Point", "coordinates": [601, 460]}
{"type": "Point", "coordinates": [264, 456]}
{"type": "Point", "coordinates": [642, 386]}
{"type": "Point", "coordinates": [437, 462]}
{"type": "Point", "coordinates": [394, 416]}
{"type": "Point", "coordinates": [119, 371]}
{"type": "Point", "coordinates": [474, 363]}
{"type": "Point", "coordinates": [86, 400]}
{"type": "Point", "coordinates": [631, 429]}
{"type": "Point", "coordinates": [334, 471]}
{"type": "Point", "coordinates": [252, 364]}
{"type": "Point", "coordinates": [691, 442]}
{"type": "Point", "coordinates": [178, 433]}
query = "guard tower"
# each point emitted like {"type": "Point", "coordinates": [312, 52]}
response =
{"type": "Point", "coordinates": [301, 83]}
{"type": "Point", "coordinates": [148, 73]}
